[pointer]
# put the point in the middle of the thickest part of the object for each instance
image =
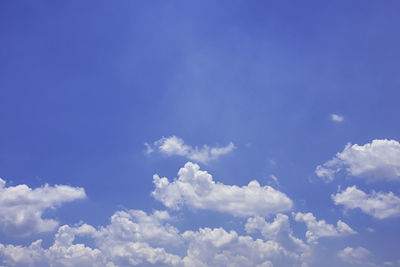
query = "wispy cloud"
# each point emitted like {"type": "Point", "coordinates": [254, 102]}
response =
{"type": "Point", "coordinates": [174, 145]}
{"type": "Point", "coordinates": [357, 255]}
{"type": "Point", "coordinates": [336, 117]}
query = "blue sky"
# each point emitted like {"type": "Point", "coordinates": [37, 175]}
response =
{"type": "Point", "coordinates": [244, 90]}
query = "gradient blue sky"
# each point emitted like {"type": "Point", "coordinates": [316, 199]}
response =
{"type": "Point", "coordinates": [84, 84]}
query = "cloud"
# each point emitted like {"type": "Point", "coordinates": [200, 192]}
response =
{"type": "Point", "coordinates": [279, 230]}
{"type": "Point", "coordinates": [357, 255]}
{"type": "Point", "coordinates": [174, 145]}
{"type": "Point", "coordinates": [61, 253]}
{"type": "Point", "coordinates": [268, 230]}
{"type": "Point", "coordinates": [217, 247]}
{"type": "Point", "coordinates": [336, 117]}
{"type": "Point", "coordinates": [21, 208]}
{"type": "Point", "coordinates": [379, 160]}
{"type": "Point", "coordinates": [275, 179]}
{"type": "Point", "coordinates": [149, 149]}
{"type": "Point", "coordinates": [377, 204]}
{"type": "Point", "coordinates": [138, 226]}
{"type": "Point", "coordinates": [136, 238]}
{"type": "Point", "coordinates": [317, 229]}
{"type": "Point", "coordinates": [197, 189]}
{"type": "Point", "coordinates": [125, 241]}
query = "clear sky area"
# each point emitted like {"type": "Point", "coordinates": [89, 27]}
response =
{"type": "Point", "coordinates": [199, 133]}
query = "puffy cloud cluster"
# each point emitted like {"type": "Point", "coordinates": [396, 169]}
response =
{"type": "Point", "coordinates": [126, 241]}
{"type": "Point", "coordinates": [197, 189]}
{"type": "Point", "coordinates": [379, 160]}
{"type": "Point", "coordinates": [217, 247]}
{"type": "Point", "coordinates": [317, 229]}
{"type": "Point", "coordinates": [136, 238]}
{"type": "Point", "coordinates": [280, 231]}
{"type": "Point", "coordinates": [174, 145]}
{"type": "Point", "coordinates": [377, 204]}
{"type": "Point", "coordinates": [21, 208]}
{"type": "Point", "coordinates": [357, 255]}
{"type": "Point", "coordinates": [61, 253]}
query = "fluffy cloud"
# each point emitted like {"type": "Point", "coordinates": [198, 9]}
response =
{"type": "Point", "coordinates": [136, 238]}
{"type": "Point", "coordinates": [21, 208]}
{"type": "Point", "coordinates": [279, 230]}
{"type": "Point", "coordinates": [217, 247]}
{"type": "Point", "coordinates": [61, 253]}
{"type": "Point", "coordinates": [377, 204]}
{"type": "Point", "coordinates": [379, 160]}
{"type": "Point", "coordinates": [196, 189]}
{"type": "Point", "coordinates": [125, 241]}
{"type": "Point", "coordinates": [317, 229]}
{"type": "Point", "coordinates": [336, 117]}
{"type": "Point", "coordinates": [176, 146]}
{"type": "Point", "coordinates": [357, 255]}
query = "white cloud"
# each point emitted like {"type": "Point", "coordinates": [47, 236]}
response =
{"type": "Point", "coordinates": [133, 238]}
{"type": "Point", "coordinates": [174, 145]}
{"type": "Point", "coordinates": [125, 241]}
{"type": "Point", "coordinates": [370, 230]}
{"type": "Point", "coordinates": [379, 205]}
{"type": "Point", "coordinates": [196, 189]}
{"type": "Point", "coordinates": [275, 179]}
{"type": "Point", "coordinates": [136, 238]}
{"type": "Point", "coordinates": [357, 255]}
{"type": "Point", "coordinates": [336, 117]}
{"type": "Point", "coordinates": [279, 230]}
{"type": "Point", "coordinates": [379, 160]}
{"type": "Point", "coordinates": [268, 230]}
{"type": "Point", "coordinates": [317, 229]}
{"type": "Point", "coordinates": [21, 208]}
{"type": "Point", "coordinates": [149, 149]}
{"type": "Point", "coordinates": [217, 247]}
{"type": "Point", "coordinates": [138, 226]}
{"type": "Point", "coordinates": [61, 253]}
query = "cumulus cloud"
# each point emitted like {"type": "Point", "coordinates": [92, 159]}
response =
{"type": "Point", "coordinates": [61, 253]}
{"type": "Point", "coordinates": [317, 229]}
{"type": "Point", "coordinates": [126, 241]}
{"type": "Point", "coordinates": [137, 238]}
{"type": "Point", "coordinates": [197, 189]}
{"type": "Point", "coordinates": [174, 145]}
{"type": "Point", "coordinates": [379, 160]}
{"type": "Point", "coordinates": [217, 247]}
{"type": "Point", "coordinates": [21, 208]}
{"type": "Point", "coordinates": [280, 231]}
{"type": "Point", "coordinates": [336, 117]}
{"type": "Point", "coordinates": [377, 204]}
{"type": "Point", "coordinates": [357, 255]}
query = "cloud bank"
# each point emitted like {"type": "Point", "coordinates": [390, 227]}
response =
{"type": "Point", "coordinates": [136, 238]}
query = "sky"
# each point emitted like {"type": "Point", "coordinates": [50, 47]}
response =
{"type": "Point", "coordinates": [199, 133]}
